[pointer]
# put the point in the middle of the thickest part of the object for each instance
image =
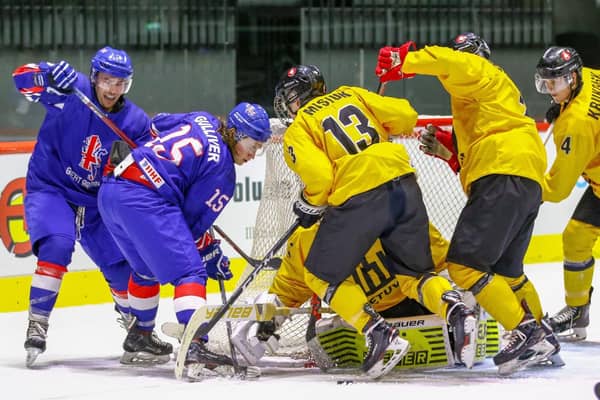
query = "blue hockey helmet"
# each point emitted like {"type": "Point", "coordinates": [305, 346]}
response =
{"type": "Point", "coordinates": [113, 62]}
{"type": "Point", "coordinates": [249, 120]}
{"type": "Point", "coordinates": [471, 43]}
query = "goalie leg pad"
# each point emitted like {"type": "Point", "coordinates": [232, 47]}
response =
{"type": "Point", "coordinates": [247, 344]}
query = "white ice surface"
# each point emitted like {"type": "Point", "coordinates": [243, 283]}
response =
{"type": "Point", "coordinates": [84, 346]}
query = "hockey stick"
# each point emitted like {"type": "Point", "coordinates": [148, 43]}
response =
{"type": "Point", "coordinates": [197, 327]}
{"type": "Point", "coordinates": [236, 367]}
{"type": "Point", "coordinates": [381, 88]}
{"type": "Point", "coordinates": [203, 330]}
{"type": "Point", "coordinates": [549, 132]}
{"type": "Point", "coordinates": [252, 261]}
{"type": "Point", "coordinates": [94, 108]}
{"type": "Point", "coordinates": [316, 350]}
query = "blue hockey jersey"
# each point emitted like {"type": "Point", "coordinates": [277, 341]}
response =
{"type": "Point", "coordinates": [73, 144]}
{"type": "Point", "coordinates": [190, 166]}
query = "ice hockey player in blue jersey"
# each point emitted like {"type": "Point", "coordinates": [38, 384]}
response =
{"type": "Point", "coordinates": [162, 198]}
{"type": "Point", "coordinates": [64, 174]}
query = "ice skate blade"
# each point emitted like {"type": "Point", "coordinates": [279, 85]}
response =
{"type": "Point", "coordinates": [32, 354]}
{"type": "Point", "coordinates": [198, 372]}
{"type": "Point", "coordinates": [540, 352]}
{"type": "Point", "coordinates": [553, 361]}
{"type": "Point", "coordinates": [143, 359]}
{"type": "Point", "coordinates": [572, 335]}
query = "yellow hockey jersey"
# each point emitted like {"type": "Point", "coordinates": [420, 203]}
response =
{"type": "Point", "coordinates": [577, 141]}
{"type": "Point", "coordinates": [382, 289]}
{"type": "Point", "coordinates": [493, 134]}
{"type": "Point", "coordinates": [339, 143]}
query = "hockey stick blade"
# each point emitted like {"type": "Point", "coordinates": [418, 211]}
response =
{"type": "Point", "coordinates": [203, 328]}
{"type": "Point", "coordinates": [94, 108]}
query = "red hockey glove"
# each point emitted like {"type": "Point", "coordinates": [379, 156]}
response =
{"type": "Point", "coordinates": [204, 241]}
{"type": "Point", "coordinates": [438, 143]}
{"type": "Point", "coordinates": [390, 60]}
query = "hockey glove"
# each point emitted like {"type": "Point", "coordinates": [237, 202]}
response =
{"type": "Point", "coordinates": [308, 215]}
{"type": "Point", "coordinates": [390, 60]}
{"type": "Point", "coordinates": [553, 113]}
{"type": "Point", "coordinates": [217, 264]}
{"type": "Point", "coordinates": [438, 143]}
{"type": "Point", "coordinates": [63, 76]}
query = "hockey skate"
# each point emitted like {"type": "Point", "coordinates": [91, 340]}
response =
{"type": "Point", "coordinates": [125, 320]}
{"type": "Point", "coordinates": [570, 323]}
{"type": "Point", "coordinates": [526, 345]}
{"type": "Point", "coordinates": [145, 348]}
{"type": "Point", "coordinates": [201, 363]}
{"type": "Point", "coordinates": [463, 324]}
{"type": "Point", "coordinates": [381, 337]}
{"type": "Point", "coordinates": [35, 342]}
{"type": "Point", "coordinates": [553, 358]}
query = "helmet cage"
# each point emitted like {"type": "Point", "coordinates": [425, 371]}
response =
{"type": "Point", "coordinates": [471, 43]}
{"type": "Point", "coordinates": [298, 86]}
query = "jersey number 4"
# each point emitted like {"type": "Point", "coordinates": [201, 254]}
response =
{"type": "Point", "coordinates": [566, 145]}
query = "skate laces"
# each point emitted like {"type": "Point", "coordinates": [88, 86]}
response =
{"type": "Point", "coordinates": [125, 321]}
{"type": "Point", "coordinates": [516, 338]}
{"type": "Point", "coordinates": [155, 340]}
{"type": "Point", "coordinates": [37, 329]}
{"type": "Point", "coordinates": [567, 314]}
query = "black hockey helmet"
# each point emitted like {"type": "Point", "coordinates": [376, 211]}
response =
{"type": "Point", "coordinates": [471, 43]}
{"type": "Point", "coordinates": [558, 62]}
{"type": "Point", "coordinates": [298, 85]}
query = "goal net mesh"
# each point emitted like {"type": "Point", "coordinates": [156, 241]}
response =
{"type": "Point", "coordinates": [442, 194]}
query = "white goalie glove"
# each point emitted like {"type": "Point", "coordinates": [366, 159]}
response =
{"type": "Point", "coordinates": [253, 339]}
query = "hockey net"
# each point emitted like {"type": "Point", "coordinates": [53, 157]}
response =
{"type": "Point", "coordinates": [442, 193]}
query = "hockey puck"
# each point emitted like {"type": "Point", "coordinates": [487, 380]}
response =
{"type": "Point", "coordinates": [345, 382]}
{"type": "Point", "coordinates": [597, 390]}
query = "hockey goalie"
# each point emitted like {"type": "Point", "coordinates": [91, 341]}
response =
{"type": "Point", "coordinates": [374, 285]}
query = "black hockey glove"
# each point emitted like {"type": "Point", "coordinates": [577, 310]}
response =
{"type": "Point", "coordinates": [308, 215]}
{"type": "Point", "coordinates": [553, 113]}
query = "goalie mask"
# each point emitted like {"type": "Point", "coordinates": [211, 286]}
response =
{"type": "Point", "coordinates": [115, 63]}
{"type": "Point", "coordinates": [249, 120]}
{"type": "Point", "coordinates": [554, 71]}
{"type": "Point", "coordinates": [297, 86]}
{"type": "Point", "coordinates": [471, 43]}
